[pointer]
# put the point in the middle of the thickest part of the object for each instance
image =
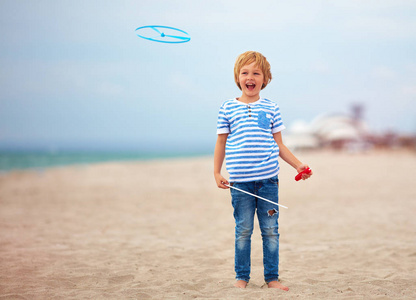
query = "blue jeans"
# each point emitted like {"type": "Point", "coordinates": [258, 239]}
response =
{"type": "Point", "coordinates": [245, 207]}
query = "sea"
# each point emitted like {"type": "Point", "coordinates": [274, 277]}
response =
{"type": "Point", "coordinates": [23, 160]}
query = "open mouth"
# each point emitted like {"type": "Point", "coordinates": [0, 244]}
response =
{"type": "Point", "coordinates": [250, 86]}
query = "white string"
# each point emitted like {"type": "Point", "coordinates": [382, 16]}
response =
{"type": "Point", "coordinates": [255, 196]}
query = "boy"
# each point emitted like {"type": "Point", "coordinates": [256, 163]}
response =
{"type": "Point", "coordinates": [249, 138]}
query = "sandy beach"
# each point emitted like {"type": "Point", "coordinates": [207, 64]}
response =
{"type": "Point", "coordinates": [163, 230]}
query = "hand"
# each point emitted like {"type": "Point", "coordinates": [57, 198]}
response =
{"type": "Point", "coordinates": [221, 181]}
{"type": "Point", "coordinates": [304, 167]}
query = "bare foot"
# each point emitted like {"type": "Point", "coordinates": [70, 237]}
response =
{"type": "Point", "coordinates": [241, 284]}
{"type": "Point", "coordinates": [277, 285]}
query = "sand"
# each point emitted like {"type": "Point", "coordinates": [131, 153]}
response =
{"type": "Point", "coordinates": [162, 230]}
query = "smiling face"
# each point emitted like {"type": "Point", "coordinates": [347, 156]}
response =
{"type": "Point", "coordinates": [251, 80]}
{"type": "Point", "coordinates": [251, 74]}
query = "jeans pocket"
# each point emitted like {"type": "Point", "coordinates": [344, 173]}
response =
{"type": "Point", "coordinates": [274, 180]}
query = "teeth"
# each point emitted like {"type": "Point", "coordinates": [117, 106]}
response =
{"type": "Point", "coordinates": [250, 86]}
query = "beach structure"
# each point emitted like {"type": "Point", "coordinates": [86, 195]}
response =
{"type": "Point", "coordinates": [337, 131]}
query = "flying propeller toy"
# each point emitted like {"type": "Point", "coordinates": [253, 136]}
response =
{"type": "Point", "coordinates": [163, 34]}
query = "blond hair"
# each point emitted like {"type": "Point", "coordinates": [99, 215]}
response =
{"type": "Point", "coordinates": [248, 58]}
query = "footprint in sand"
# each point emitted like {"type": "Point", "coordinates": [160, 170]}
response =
{"type": "Point", "coordinates": [120, 279]}
{"type": "Point", "coordinates": [142, 296]}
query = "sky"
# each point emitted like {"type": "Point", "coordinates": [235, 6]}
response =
{"type": "Point", "coordinates": [74, 74]}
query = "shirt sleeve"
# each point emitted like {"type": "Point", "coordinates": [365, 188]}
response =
{"type": "Point", "coordinates": [277, 121]}
{"type": "Point", "coordinates": [223, 125]}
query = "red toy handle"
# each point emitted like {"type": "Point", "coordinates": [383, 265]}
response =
{"type": "Point", "coordinates": [299, 176]}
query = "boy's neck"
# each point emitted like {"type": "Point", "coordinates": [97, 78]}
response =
{"type": "Point", "coordinates": [248, 100]}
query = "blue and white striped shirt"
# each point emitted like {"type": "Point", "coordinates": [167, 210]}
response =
{"type": "Point", "coordinates": [251, 152]}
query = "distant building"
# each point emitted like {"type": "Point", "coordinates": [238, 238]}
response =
{"type": "Point", "coordinates": [329, 131]}
{"type": "Point", "coordinates": [340, 132]}
{"type": "Point", "coordinates": [343, 132]}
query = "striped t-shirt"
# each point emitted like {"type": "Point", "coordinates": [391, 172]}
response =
{"type": "Point", "coordinates": [251, 152]}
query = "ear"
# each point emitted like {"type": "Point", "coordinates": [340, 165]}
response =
{"type": "Point", "coordinates": [264, 84]}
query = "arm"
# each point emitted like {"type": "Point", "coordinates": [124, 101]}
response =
{"type": "Point", "coordinates": [289, 157]}
{"type": "Point", "coordinates": [219, 155]}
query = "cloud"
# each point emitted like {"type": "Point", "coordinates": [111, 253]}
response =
{"type": "Point", "coordinates": [384, 73]}
{"type": "Point", "coordinates": [64, 79]}
{"type": "Point", "coordinates": [321, 67]}
{"type": "Point", "coordinates": [388, 27]}
{"type": "Point", "coordinates": [409, 91]}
